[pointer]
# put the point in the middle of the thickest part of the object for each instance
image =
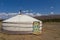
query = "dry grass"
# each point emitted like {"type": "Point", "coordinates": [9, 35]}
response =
{"type": "Point", "coordinates": [51, 31]}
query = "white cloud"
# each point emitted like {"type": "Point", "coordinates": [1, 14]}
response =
{"type": "Point", "coordinates": [51, 7]}
{"type": "Point", "coordinates": [7, 15]}
{"type": "Point", "coordinates": [12, 13]}
{"type": "Point", "coordinates": [38, 14]}
{"type": "Point", "coordinates": [26, 11]}
{"type": "Point", "coordinates": [52, 13]}
{"type": "Point", "coordinates": [30, 14]}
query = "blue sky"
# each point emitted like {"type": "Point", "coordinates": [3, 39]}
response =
{"type": "Point", "coordinates": [37, 6]}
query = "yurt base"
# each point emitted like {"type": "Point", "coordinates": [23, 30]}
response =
{"type": "Point", "coordinates": [15, 32]}
{"type": "Point", "coordinates": [19, 32]}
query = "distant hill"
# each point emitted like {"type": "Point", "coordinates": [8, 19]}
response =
{"type": "Point", "coordinates": [49, 18]}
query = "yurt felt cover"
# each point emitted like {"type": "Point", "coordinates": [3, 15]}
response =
{"type": "Point", "coordinates": [21, 19]}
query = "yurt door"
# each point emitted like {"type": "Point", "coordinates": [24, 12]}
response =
{"type": "Point", "coordinates": [36, 26]}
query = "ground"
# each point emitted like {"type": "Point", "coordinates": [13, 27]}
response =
{"type": "Point", "coordinates": [51, 31]}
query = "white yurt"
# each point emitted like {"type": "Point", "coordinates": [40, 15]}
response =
{"type": "Point", "coordinates": [20, 24]}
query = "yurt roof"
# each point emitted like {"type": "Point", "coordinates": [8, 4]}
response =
{"type": "Point", "coordinates": [21, 18]}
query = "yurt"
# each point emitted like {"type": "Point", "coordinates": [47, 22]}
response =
{"type": "Point", "coordinates": [21, 24]}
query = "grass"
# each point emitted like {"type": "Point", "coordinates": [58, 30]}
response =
{"type": "Point", "coordinates": [51, 20]}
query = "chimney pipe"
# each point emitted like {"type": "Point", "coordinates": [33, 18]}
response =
{"type": "Point", "coordinates": [20, 12]}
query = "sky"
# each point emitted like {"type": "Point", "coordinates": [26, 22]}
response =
{"type": "Point", "coordinates": [35, 6]}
